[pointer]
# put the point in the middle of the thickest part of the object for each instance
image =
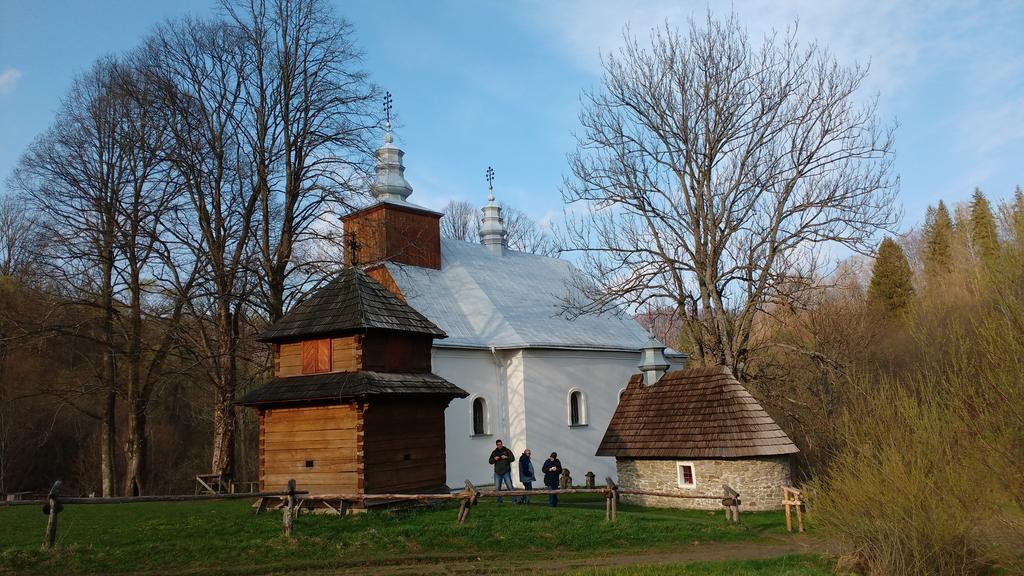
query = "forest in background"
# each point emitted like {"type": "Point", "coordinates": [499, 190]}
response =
{"type": "Point", "coordinates": [187, 195]}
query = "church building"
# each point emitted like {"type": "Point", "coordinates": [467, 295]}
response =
{"type": "Point", "coordinates": [535, 379]}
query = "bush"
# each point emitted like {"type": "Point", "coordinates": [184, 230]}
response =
{"type": "Point", "coordinates": [928, 476]}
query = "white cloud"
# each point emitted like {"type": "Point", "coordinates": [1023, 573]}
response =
{"type": "Point", "coordinates": [9, 80]}
{"type": "Point", "coordinates": [895, 37]}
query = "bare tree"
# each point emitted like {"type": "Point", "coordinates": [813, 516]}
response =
{"type": "Point", "coordinates": [151, 310]}
{"type": "Point", "coordinates": [461, 221]}
{"type": "Point", "coordinates": [19, 238]}
{"type": "Point", "coordinates": [199, 65]}
{"type": "Point", "coordinates": [72, 177]}
{"type": "Point", "coordinates": [525, 235]}
{"type": "Point", "coordinates": [304, 124]}
{"type": "Point", "coordinates": [708, 170]}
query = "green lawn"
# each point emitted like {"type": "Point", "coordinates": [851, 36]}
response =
{"type": "Point", "coordinates": [226, 537]}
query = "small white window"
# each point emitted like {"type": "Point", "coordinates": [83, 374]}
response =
{"type": "Point", "coordinates": [686, 476]}
{"type": "Point", "coordinates": [577, 408]}
{"type": "Point", "coordinates": [479, 416]}
{"type": "Point", "coordinates": [621, 391]}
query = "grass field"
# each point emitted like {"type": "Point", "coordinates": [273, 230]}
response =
{"type": "Point", "coordinates": [227, 538]}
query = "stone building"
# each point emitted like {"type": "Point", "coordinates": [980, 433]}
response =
{"type": "Point", "coordinates": [692, 431]}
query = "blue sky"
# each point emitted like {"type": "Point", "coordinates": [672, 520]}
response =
{"type": "Point", "coordinates": [480, 84]}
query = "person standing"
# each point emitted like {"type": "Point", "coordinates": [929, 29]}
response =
{"type": "Point", "coordinates": [526, 474]}
{"type": "Point", "coordinates": [552, 469]}
{"type": "Point", "coordinates": [502, 458]}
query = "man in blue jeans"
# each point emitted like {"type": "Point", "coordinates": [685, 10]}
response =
{"type": "Point", "coordinates": [502, 458]}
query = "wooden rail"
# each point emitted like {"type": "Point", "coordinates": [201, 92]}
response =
{"type": "Point", "coordinates": [166, 498]}
{"type": "Point", "coordinates": [468, 497]}
{"type": "Point", "coordinates": [54, 504]}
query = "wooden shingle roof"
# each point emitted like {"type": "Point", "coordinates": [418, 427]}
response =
{"type": "Point", "coordinates": [693, 413]}
{"type": "Point", "coordinates": [351, 302]}
{"type": "Point", "coordinates": [348, 385]}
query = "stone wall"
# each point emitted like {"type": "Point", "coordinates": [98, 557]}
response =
{"type": "Point", "coordinates": [758, 480]}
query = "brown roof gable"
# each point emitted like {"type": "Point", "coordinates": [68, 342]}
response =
{"type": "Point", "coordinates": [692, 413]}
{"type": "Point", "coordinates": [351, 302]}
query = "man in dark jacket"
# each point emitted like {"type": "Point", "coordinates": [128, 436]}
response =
{"type": "Point", "coordinates": [552, 469]}
{"type": "Point", "coordinates": [502, 458]}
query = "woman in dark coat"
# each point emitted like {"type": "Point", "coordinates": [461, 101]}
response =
{"type": "Point", "coordinates": [552, 469]}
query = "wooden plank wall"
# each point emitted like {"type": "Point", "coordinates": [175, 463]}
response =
{"type": "Point", "coordinates": [368, 227]}
{"type": "Point", "coordinates": [385, 279]}
{"type": "Point", "coordinates": [414, 238]}
{"type": "Point", "coordinates": [289, 360]}
{"type": "Point", "coordinates": [326, 435]}
{"type": "Point", "coordinates": [397, 234]}
{"type": "Point", "coordinates": [389, 352]}
{"type": "Point", "coordinates": [404, 446]}
{"type": "Point", "coordinates": [347, 354]}
{"type": "Point", "coordinates": [344, 355]}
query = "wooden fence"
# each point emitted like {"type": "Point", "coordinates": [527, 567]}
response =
{"type": "Point", "coordinates": [468, 497]}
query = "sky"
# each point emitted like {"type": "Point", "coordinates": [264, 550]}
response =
{"type": "Point", "coordinates": [486, 83]}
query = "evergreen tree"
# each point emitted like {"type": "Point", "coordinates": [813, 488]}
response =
{"type": "Point", "coordinates": [891, 290]}
{"type": "Point", "coordinates": [938, 239]}
{"type": "Point", "coordinates": [984, 237]}
{"type": "Point", "coordinates": [1017, 217]}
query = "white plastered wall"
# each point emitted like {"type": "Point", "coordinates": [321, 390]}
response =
{"type": "Point", "coordinates": [550, 376]}
{"type": "Point", "coordinates": [476, 372]}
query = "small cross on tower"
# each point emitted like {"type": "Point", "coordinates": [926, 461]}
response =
{"type": "Point", "coordinates": [353, 247]}
{"type": "Point", "coordinates": [387, 107]}
{"type": "Point", "coordinates": [490, 178]}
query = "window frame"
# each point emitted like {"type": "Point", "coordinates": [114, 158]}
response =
{"type": "Point", "coordinates": [581, 409]}
{"type": "Point", "coordinates": [484, 417]}
{"type": "Point", "coordinates": [680, 476]}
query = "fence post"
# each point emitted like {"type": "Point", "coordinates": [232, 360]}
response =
{"type": "Point", "coordinates": [799, 514]}
{"type": "Point", "coordinates": [612, 509]}
{"type": "Point", "coordinates": [608, 501]}
{"type": "Point", "coordinates": [51, 508]}
{"type": "Point", "coordinates": [468, 499]}
{"type": "Point", "coordinates": [731, 501]}
{"type": "Point", "coordinates": [289, 509]}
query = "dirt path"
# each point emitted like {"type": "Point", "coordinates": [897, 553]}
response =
{"type": "Point", "coordinates": [515, 562]}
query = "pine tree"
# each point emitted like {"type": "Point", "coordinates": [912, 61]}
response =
{"type": "Point", "coordinates": [1017, 217]}
{"type": "Point", "coordinates": [938, 239]}
{"type": "Point", "coordinates": [984, 237]}
{"type": "Point", "coordinates": [891, 290]}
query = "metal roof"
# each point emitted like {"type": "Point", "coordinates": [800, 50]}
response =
{"type": "Point", "coordinates": [481, 299]}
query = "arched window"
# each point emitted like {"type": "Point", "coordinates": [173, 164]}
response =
{"type": "Point", "coordinates": [479, 416]}
{"type": "Point", "coordinates": [577, 409]}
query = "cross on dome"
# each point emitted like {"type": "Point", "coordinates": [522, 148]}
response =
{"type": "Point", "coordinates": [390, 183]}
{"type": "Point", "coordinates": [492, 226]}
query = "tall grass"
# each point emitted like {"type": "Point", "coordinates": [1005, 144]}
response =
{"type": "Point", "coordinates": [929, 476]}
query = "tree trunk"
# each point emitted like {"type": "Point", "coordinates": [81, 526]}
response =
{"type": "Point", "coordinates": [107, 448]}
{"type": "Point", "coordinates": [224, 434]}
{"type": "Point", "coordinates": [135, 449]}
